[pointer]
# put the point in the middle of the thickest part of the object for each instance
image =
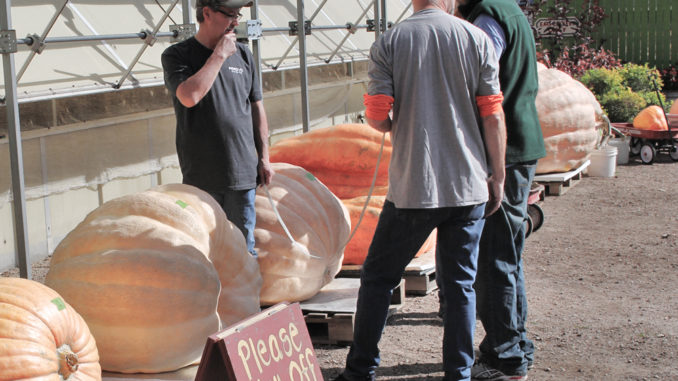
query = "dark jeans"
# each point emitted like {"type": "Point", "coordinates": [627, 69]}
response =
{"type": "Point", "coordinates": [500, 285]}
{"type": "Point", "coordinates": [399, 234]}
{"type": "Point", "coordinates": [239, 208]}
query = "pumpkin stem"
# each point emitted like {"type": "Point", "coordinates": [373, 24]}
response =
{"type": "Point", "coordinates": [68, 361]}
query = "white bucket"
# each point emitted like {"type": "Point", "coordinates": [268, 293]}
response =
{"type": "Point", "coordinates": [623, 148]}
{"type": "Point", "coordinates": [603, 161]}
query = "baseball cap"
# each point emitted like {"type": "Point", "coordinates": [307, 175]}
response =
{"type": "Point", "coordinates": [223, 3]}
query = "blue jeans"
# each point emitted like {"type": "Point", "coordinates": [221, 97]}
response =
{"type": "Point", "coordinates": [239, 208]}
{"type": "Point", "coordinates": [398, 236]}
{"type": "Point", "coordinates": [502, 304]}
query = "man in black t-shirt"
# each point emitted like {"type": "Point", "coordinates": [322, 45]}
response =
{"type": "Point", "coordinates": [222, 131]}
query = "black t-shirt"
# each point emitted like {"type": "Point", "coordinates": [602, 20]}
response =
{"type": "Point", "coordinates": [215, 138]}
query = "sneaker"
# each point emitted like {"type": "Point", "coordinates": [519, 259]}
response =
{"type": "Point", "coordinates": [482, 371]}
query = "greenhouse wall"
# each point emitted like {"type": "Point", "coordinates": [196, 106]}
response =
{"type": "Point", "coordinates": [82, 151]}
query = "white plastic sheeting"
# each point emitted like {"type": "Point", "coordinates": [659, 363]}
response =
{"type": "Point", "coordinates": [67, 68]}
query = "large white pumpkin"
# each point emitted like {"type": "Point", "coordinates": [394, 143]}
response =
{"type": "Point", "coordinates": [145, 271]}
{"type": "Point", "coordinates": [317, 221]}
{"type": "Point", "coordinates": [570, 117]}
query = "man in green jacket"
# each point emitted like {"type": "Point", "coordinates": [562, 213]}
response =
{"type": "Point", "coordinates": [506, 352]}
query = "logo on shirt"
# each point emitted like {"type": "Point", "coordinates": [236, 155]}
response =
{"type": "Point", "coordinates": [236, 70]}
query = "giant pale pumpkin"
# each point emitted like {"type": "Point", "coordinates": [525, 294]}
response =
{"type": "Point", "coordinates": [651, 118]}
{"type": "Point", "coordinates": [356, 250]}
{"type": "Point", "coordinates": [319, 224]}
{"type": "Point", "coordinates": [569, 115]}
{"type": "Point", "coordinates": [42, 337]}
{"type": "Point", "coordinates": [342, 157]}
{"type": "Point", "coordinates": [146, 270]}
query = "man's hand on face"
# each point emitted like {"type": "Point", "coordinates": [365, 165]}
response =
{"type": "Point", "coordinates": [226, 46]}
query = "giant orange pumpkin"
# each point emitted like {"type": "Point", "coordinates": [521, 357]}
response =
{"type": "Point", "coordinates": [570, 116]}
{"type": "Point", "coordinates": [342, 157]}
{"type": "Point", "coordinates": [42, 337]}
{"type": "Point", "coordinates": [146, 271]}
{"type": "Point", "coordinates": [319, 224]}
{"type": "Point", "coordinates": [356, 250]}
{"type": "Point", "coordinates": [651, 118]}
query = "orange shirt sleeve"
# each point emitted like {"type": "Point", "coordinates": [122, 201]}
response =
{"type": "Point", "coordinates": [489, 104]}
{"type": "Point", "coordinates": [377, 106]}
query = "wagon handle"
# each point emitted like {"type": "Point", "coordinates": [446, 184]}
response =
{"type": "Point", "coordinates": [661, 103]}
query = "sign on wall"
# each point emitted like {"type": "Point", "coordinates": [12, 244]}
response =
{"type": "Point", "coordinates": [273, 345]}
{"type": "Point", "coordinates": [548, 27]}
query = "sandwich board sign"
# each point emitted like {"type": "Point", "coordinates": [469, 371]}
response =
{"type": "Point", "coordinates": [273, 345]}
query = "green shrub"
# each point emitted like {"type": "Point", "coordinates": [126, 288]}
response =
{"type": "Point", "coordinates": [650, 98]}
{"type": "Point", "coordinates": [623, 105]}
{"type": "Point", "coordinates": [601, 80]}
{"type": "Point", "coordinates": [639, 77]}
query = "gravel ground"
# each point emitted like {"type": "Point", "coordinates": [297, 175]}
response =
{"type": "Point", "coordinates": [601, 277]}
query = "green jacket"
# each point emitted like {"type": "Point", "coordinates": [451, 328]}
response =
{"type": "Point", "coordinates": [517, 76]}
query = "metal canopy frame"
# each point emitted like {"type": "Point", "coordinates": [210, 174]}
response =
{"type": "Point", "coordinates": [300, 28]}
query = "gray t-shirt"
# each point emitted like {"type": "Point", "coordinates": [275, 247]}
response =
{"type": "Point", "coordinates": [434, 65]}
{"type": "Point", "coordinates": [215, 138]}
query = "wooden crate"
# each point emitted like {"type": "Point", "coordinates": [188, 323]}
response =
{"type": "Point", "coordinates": [330, 314]}
{"type": "Point", "coordinates": [330, 328]}
{"type": "Point", "coordinates": [556, 184]}
{"type": "Point", "coordinates": [349, 271]}
{"type": "Point", "coordinates": [420, 275]}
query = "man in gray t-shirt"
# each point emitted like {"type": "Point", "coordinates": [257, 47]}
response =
{"type": "Point", "coordinates": [447, 128]}
{"type": "Point", "coordinates": [222, 132]}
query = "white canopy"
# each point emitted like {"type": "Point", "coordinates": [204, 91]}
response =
{"type": "Point", "coordinates": [66, 67]}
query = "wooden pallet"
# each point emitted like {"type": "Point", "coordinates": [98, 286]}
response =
{"type": "Point", "coordinates": [419, 275]}
{"type": "Point", "coordinates": [349, 271]}
{"type": "Point", "coordinates": [556, 184]}
{"type": "Point", "coordinates": [330, 314]}
{"type": "Point", "coordinates": [330, 328]}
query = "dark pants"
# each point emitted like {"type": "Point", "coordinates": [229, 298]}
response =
{"type": "Point", "coordinates": [398, 236]}
{"type": "Point", "coordinates": [500, 285]}
{"type": "Point", "coordinates": [239, 208]}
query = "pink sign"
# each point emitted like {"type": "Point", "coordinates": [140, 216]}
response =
{"type": "Point", "coordinates": [273, 345]}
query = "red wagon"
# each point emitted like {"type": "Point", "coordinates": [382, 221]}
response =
{"type": "Point", "coordinates": [535, 215]}
{"type": "Point", "coordinates": [648, 143]}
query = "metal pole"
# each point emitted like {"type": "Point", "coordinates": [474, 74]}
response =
{"type": "Point", "coordinates": [343, 40]}
{"type": "Point", "coordinates": [303, 67]}
{"type": "Point", "coordinates": [256, 47]}
{"type": "Point", "coordinates": [383, 14]}
{"type": "Point", "coordinates": [186, 11]}
{"type": "Point", "coordinates": [99, 37]}
{"type": "Point", "coordinates": [15, 151]}
{"type": "Point", "coordinates": [407, 8]}
{"type": "Point", "coordinates": [143, 48]}
{"type": "Point", "coordinates": [289, 48]}
{"type": "Point", "coordinates": [377, 19]}
{"type": "Point", "coordinates": [48, 28]}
